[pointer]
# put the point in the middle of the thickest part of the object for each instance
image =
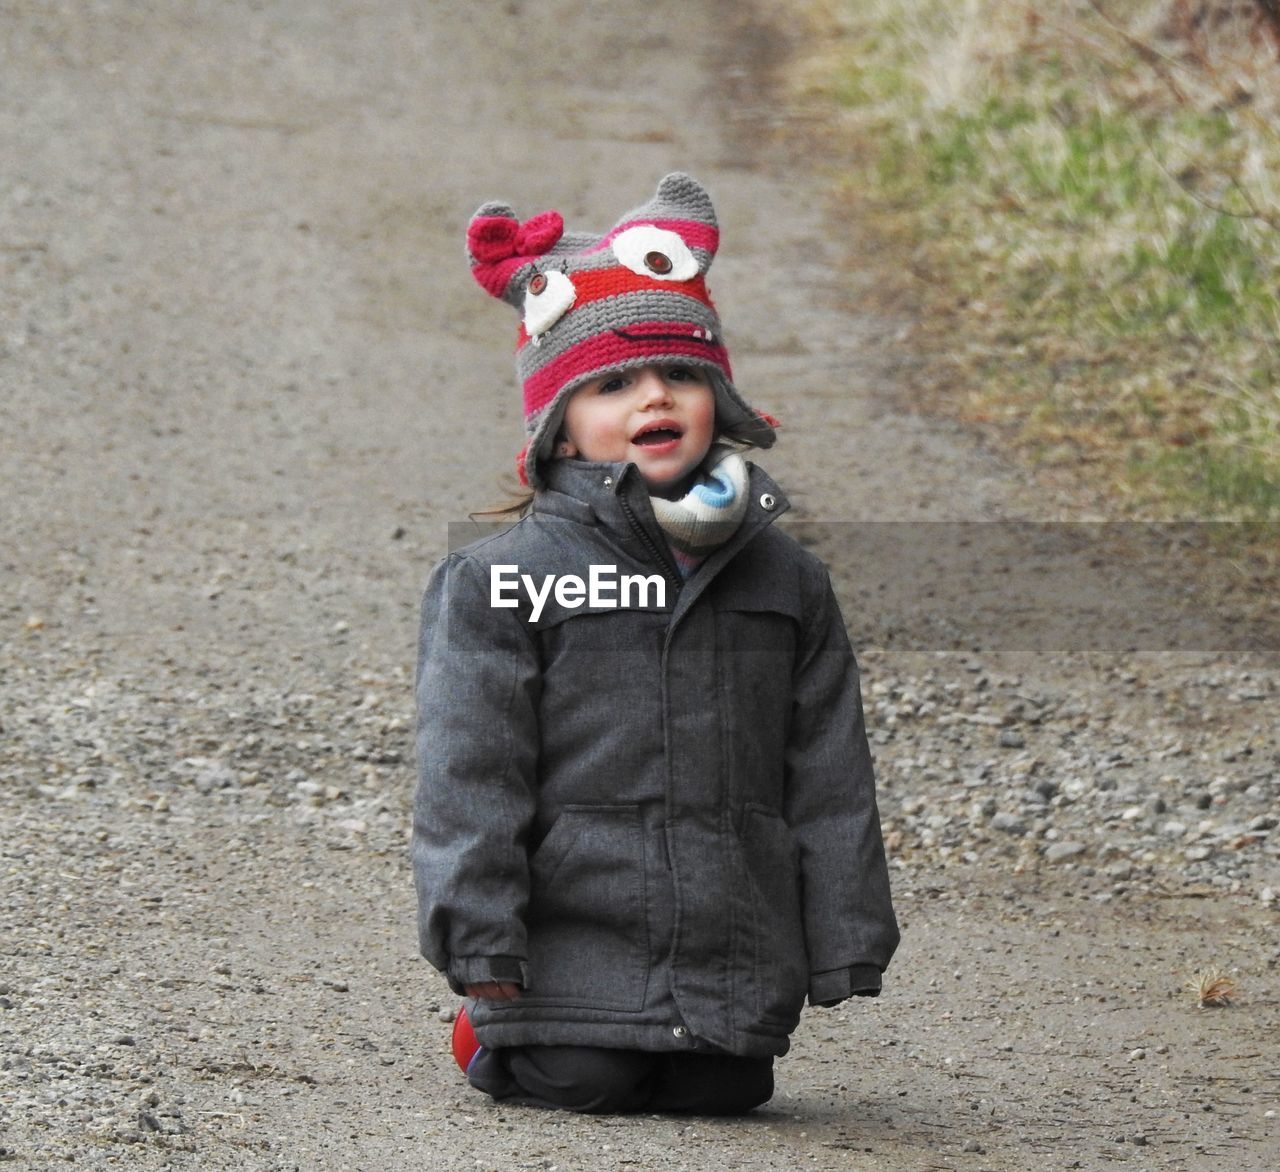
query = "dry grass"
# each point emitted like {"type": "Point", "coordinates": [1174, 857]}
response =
{"type": "Point", "coordinates": [1089, 193]}
{"type": "Point", "coordinates": [1213, 989]}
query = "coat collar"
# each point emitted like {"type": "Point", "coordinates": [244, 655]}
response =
{"type": "Point", "coordinates": [592, 493]}
{"type": "Point", "coordinates": [604, 493]}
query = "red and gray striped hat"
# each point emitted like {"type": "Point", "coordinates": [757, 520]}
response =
{"type": "Point", "coordinates": [589, 304]}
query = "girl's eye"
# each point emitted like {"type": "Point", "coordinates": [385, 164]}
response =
{"type": "Point", "coordinates": [683, 374]}
{"type": "Point", "coordinates": [612, 384]}
{"type": "Point", "coordinates": [655, 252]}
{"type": "Point", "coordinates": [547, 298]}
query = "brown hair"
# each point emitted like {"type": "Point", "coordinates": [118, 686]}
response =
{"type": "Point", "coordinates": [519, 502]}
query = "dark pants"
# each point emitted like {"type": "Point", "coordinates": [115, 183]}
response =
{"type": "Point", "coordinates": [615, 1082]}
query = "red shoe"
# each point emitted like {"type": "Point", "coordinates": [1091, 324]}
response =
{"type": "Point", "coordinates": [465, 1043]}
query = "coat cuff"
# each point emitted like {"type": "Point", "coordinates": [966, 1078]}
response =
{"type": "Point", "coordinates": [476, 970]}
{"type": "Point", "coordinates": [835, 985]}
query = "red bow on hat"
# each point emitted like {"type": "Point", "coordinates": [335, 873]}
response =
{"type": "Point", "coordinates": [492, 239]}
{"type": "Point", "coordinates": [499, 245]}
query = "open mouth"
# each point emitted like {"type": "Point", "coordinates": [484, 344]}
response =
{"type": "Point", "coordinates": [657, 433]}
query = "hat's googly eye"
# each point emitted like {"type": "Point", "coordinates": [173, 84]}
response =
{"type": "Point", "coordinates": [547, 298]}
{"type": "Point", "coordinates": [655, 252]}
{"type": "Point", "coordinates": [658, 263]}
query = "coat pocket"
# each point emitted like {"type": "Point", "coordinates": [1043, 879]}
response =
{"type": "Point", "coordinates": [781, 969]}
{"type": "Point", "coordinates": [755, 663]}
{"type": "Point", "coordinates": [587, 919]}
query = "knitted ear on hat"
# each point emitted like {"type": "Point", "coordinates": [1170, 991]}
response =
{"type": "Point", "coordinates": [636, 295]}
{"type": "Point", "coordinates": [499, 244]}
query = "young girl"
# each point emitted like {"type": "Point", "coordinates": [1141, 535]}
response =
{"type": "Point", "coordinates": [645, 826]}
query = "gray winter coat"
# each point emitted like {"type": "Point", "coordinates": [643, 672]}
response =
{"type": "Point", "coordinates": [660, 820]}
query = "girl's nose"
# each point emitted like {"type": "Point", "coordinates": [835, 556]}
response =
{"type": "Point", "coordinates": [653, 387]}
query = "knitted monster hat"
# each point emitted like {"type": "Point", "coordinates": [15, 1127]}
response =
{"type": "Point", "coordinates": [588, 304]}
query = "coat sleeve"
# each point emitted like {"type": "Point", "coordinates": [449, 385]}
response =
{"type": "Point", "coordinates": [477, 691]}
{"type": "Point", "coordinates": [850, 928]}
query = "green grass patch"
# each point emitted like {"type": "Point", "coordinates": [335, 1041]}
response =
{"type": "Point", "coordinates": [1108, 241]}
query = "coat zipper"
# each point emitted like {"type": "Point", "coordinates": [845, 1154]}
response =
{"type": "Point", "coordinates": [660, 556]}
{"type": "Point", "coordinates": [673, 576]}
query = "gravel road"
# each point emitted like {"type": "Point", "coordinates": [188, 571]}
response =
{"type": "Point", "coordinates": [246, 383]}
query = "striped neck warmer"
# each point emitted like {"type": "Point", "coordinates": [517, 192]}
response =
{"type": "Point", "coordinates": [707, 515]}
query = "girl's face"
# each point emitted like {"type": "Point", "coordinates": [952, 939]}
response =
{"type": "Point", "coordinates": [660, 418]}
